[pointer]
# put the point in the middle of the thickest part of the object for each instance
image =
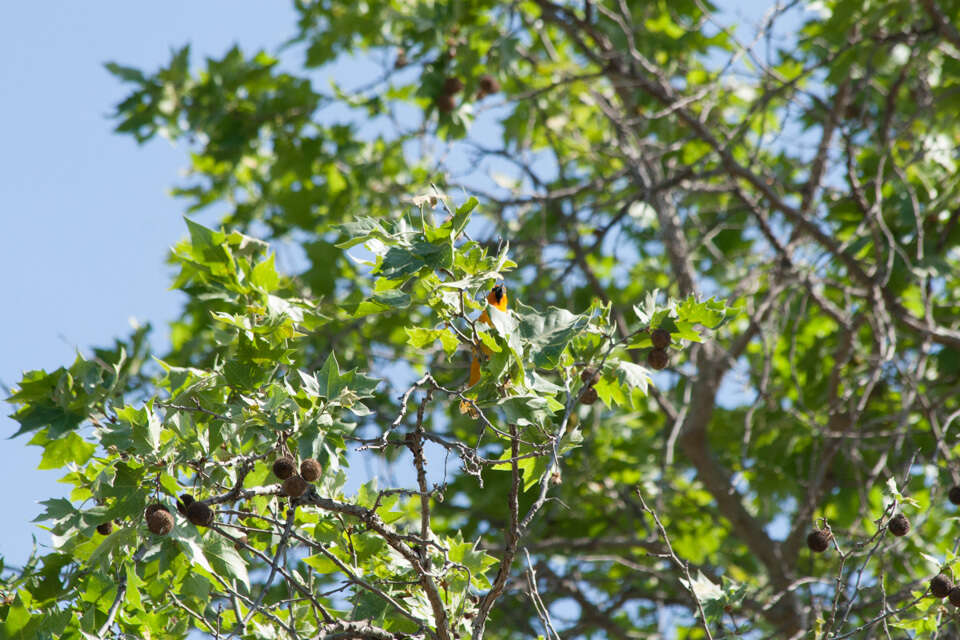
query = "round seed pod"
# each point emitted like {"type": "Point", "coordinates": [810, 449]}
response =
{"type": "Point", "coordinates": [446, 103]}
{"type": "Point", "coordinates": [310, 470]}
{"type": "Point", "coordinates": [954, 596]}
{"type": "Point", "coordinates": [160, 522]}
{"type": "Point", "coordinates": [295, 486]}
{"type": "Point", "coordinates": [283, 467]}
{"type": "Point", "coordinates": [589, 375]}
{"type": "Point", "coordinates": [658, 359]}
{"type": "Point", "coordinates": [105, 528]}
{"type": "Point", "coordinates": [452, 85]}
{"type": "Point", "coordinates": [488, 84]}
{"type": "Point", "coordinates": [954, 495]}
{"type": "Point", "coordinates": [200, 514]}
{"type": "Point", "coordinates": [184, 502]}
{"type": "Point", "coordinates": [588, 395]}
{"type": "Point", "coordinates": [153, 508]}
{"type": "Point", "coordinates": [899, 525]}
{"type": "Point", "coordinates": [940, 585]}
{"type": "Point", "coordinates": [660, 338]}
{"type": "Point", "coordinates": [818, 540]}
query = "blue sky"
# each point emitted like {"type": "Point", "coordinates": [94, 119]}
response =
{"type": "Point", "coordinates": [86, 219]}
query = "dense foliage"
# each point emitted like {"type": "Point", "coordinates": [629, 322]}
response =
{"type": "Point", "coordinates": [732, 317]}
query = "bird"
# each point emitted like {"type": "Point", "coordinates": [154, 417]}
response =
{"type": "Point", "coordinates": [497, 298]}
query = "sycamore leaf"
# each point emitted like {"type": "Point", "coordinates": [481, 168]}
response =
{"type": "Point", "coordinates": [225, 559]}
{"type": "Point", "coordinates": [548, 332]}
{"type": "Point", "coordinates": [633, 375]}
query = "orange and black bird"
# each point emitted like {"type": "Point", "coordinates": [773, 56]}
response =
{"type": "Point", "coordinates": [496, 298]}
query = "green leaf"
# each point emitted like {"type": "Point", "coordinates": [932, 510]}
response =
{"type": "Point", "coordinates": [321, 564]}
{"type": "Point", "coordinates": [633, 375]}
{"type": "Point", "coordinates": [525, 410]}
{"type": "Point", "coordinates": [358, 305]}
{"type": "Point", "coordinates": [191, 546]}
{"type": "Point", "coordinates": [549, 332]}
{"type": "Point", "coordinates": [70, 449]}
{"type": "Point", "coordinates": [225, 559]}
{"type": "Point", "coordinates": [264, 275]}
{"type": "Point", "coordinates": [420, 338]}
{"type": "Point", "coordinates": [467, 554]}
{"type": "Point", "coordinates": [709, 313]}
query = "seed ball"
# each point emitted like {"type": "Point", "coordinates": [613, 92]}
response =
{"type": "Point", "coordinates": [200, 514]}
{"type": "Point", "coordinates": [184, 503]}
{"type": "Point", "coordinates": [160, 522]}
{"type": "Point", "coordinates": [818, 540]}
{"type": "Point", "coordinates": [589, 376]}
{"type": "Point", "coordinates": [588, 395]}
{"type": "Point", "coordinates": [658, 359]}
{"type": "Point", "coordinates": [954, 495]}
{"type": "Point", "coordinates": [446, 103]}
{"type": "Point", "coordinates": [105, 528]}
{"type": "Point", "coordinates": [488, 84]}
{"type": "Point", "coordinates": [295, 486]}
{"type": "Point", "coordinates": [310, 469]}
{"type": "Point", "coordinates": [660, 338]}
{"type": "Point", "coordinates": [153, 508]}
{"type": "Point", "coordinates": [899, 525]}
{"type": "Point", "coordinates": [284, 467]}
{"type": "Point", "coordinates": [452, 85]}
{"type": "Point", "coordinates": [954, 596]}
{"type": "Point", "coordinates": [940, 586]}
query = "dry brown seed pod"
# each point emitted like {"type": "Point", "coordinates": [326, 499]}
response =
{"type": "Point", "coordinates": [283, 467]}
{"type": "Point", "coordinates": [452, 85]}
{"type": "Point", "coordinates": [940, 585]}
{"type": "Point", "coordinates": [446, 103]}
{"type": "Point", "coordinates": [818, 540]}
{"type": "Point", "coordinates": [658, 359]}
{"type": "Point", "coordinates": [160, 522]}
{"type": "Point", "coordinates": [310, 470]}
{"type": "Point", "coordinates": [589, 375]}
{"type": "Point", "coordinates": [200, 514]}
{"type": "Point", "coordinates": [488, 84]}
{"type": "Point", "coordinates": [660, 338]}
{"type": "Point", "coordinates": [184, 502]}
{"type": "Point", "coordinates": [153, 508]}
{"type": "Point", "coordinates": [954, 495]}
{"type": "Point", "coordinates": [588, 395]}
{"type": "Point", "coordinates": [899, 525]}
{"type": "Point", "coordinates": [954, 596]}
{"type": "Point", "coordinates": [295, 486]}
{"type": "Point", "coordinates": [105, 528]}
